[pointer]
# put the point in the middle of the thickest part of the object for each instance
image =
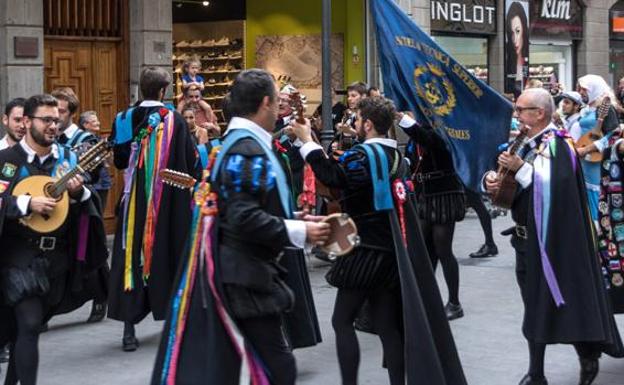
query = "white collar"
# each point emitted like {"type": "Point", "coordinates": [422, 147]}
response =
{"type": "Point", "coordinates": [246, 124]}
{"type": "Point", "coordinates": [70, 131]}
{"type": "Point", "coordinates": [385, 141]}
{"type": "Point", "coordinates": [30, 153]}
{"type": "Point", "coordinates": [4, 142]}
{"type": "Point", "coordinates": [151, 103]}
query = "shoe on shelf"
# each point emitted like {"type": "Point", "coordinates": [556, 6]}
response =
{"type": "Point", "coordinates": [453, 311]}
{"type": "Point", "coordinates": [485, 251]}
{"type": "Point", "coordinates": [208, 43]}
{"type": "Point", "coordinates": [129, 343]}
{"type": "Point", "coordinates": [530, 380]}
{"type": "Point", "coordinates": [589, 370]}
{"type": "Point", "coordinates": [196, 44]}
{"type": "Point", "coordinates": [224, 41]}
{"type": "Point", "coordinates": [182, 44]}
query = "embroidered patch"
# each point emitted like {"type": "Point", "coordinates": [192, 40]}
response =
{"type": "Point", "coordinates": [621, 248]}
{"type": "Point", "coordinates": [613, 253]}
{"type": "Point", "coordinates": [617, 215]}
{"type": "Point", "coordinates": [616, 200]}
{"type": "Point", "coordinates": [603, 207]}
{"type": "Point", "coordinates": [605, 223]}
{"type": "Point", "coordinates": [606, 164]}
{"type": "Point", "coordinates": [602, 243]}
{"type": "Point", "coordinates": [615, 187]}
{"type": "Point", "coordinates": [62, 169]}
{"type": "Point", "coordinates": [4, 185]}
{"type": "Point", "coordinates": [619, 232]}
{"type": "Point", "coordinates": [615, 171]}
{"type": "Point", "coordinates": [605, 180]}
{"type": "Point", "coordinates": [614, 265]}
{"type": "Point", "coordinates": [617, 279]}
{"type": "Point", "coordinates": [9, 170]}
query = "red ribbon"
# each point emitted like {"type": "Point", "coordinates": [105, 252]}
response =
{"type": "Point", "coordinates": [400, 196]}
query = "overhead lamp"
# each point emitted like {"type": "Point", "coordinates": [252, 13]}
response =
{"type": "Point", "coordinates": [206, 3]}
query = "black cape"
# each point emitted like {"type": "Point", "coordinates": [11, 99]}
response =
{"type": "Point", "coordinates": [170, 234]}
{"type": "Point", "coordinates": [586, 315]}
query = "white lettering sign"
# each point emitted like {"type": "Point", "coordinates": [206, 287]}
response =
{"type": "Point", "coordinates": [556, 9]}
{"type": "Point", "coordinates": [456, 11]}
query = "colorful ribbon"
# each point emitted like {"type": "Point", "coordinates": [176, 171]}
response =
{"type": "Point", "coordinates": [541, 205]}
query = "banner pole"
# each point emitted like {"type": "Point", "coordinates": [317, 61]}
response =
{"type": "Point", "coordinates": [327, 133]}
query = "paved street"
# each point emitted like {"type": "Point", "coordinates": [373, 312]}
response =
{"type": "Point", "coordinates": [491, 346]}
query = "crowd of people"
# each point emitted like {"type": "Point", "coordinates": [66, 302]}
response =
{"type": "Point", "coordinates": [225, 266]}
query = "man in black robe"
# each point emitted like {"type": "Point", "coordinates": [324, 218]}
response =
{"type": "Point", "coordinates": [233, 329]}
{"type": "Point", "coordinates": [389, 268]}
{"type": "Point", "coordinates": [43, 275]}
{"type": "Point", "coordinates": [150, 236]}
{"type": "Point", "coordinates": [557, 264]}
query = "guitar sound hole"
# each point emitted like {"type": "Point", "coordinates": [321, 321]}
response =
{"type": "Point", "coordinates": [50, 192]}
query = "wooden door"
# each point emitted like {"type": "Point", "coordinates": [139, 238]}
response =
{"type": "Point", "coordinates": [91, 69]}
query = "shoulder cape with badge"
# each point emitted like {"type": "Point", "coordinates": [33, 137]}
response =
{"type": "Point", "coordinates": [430, 350]}
{"type": "Point", "coordinates": [201, 339]}
{"type": "Point", "coordinates": [565, 295]}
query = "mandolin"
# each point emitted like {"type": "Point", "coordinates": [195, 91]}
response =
{"type": "Point", "coordinates": [42, 185]}
{"type": "Point", "coordinates": [177, 179]}
{"type": "Point", "coordinates": [504, 197]}
{"type": "Point", "coordinates": [595, 133]}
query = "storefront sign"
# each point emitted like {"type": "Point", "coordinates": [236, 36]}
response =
{"type": "Point", "coordinates": [466, 16]}
{"type": "Point", "coordinates": [557, 18]}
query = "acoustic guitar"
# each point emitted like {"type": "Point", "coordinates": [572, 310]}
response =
{"type": "Point", "coordinates": [595, 133]}
{"type": "Point", "coordinates": [42, 185]}
{"type": "Point", "coordinates": [504, 197]}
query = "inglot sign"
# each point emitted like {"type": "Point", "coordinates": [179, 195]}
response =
{"type": "Point", "coordinates": [465, 16]}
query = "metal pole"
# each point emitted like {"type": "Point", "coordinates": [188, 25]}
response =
{"type": "Point", "coordinates": [328, 132]}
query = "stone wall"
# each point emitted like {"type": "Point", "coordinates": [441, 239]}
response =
{"type": "Point", "coordinates": [20, 77]}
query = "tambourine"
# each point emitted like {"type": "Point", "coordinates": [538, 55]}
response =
{"type": "Point", "coordinates": [343, 235]}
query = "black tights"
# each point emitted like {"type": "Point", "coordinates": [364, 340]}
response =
{"type": "Point", "coordinates": [475, 201]}
{"type": "Point", "coordinates": [439, 240]}
{"type": "Point", "coordinates": [537, 352]}
{"type": "Point", "coordinates": [385, 310]}
{"type": "Point", "coordinates": [24, 357]}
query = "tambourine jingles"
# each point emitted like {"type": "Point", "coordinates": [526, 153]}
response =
{"type": "Point", "coordinates": [343, 235]}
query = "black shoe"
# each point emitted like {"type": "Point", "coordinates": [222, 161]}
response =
{"type": "Point", "coordinates": [130, 343]}
{"type": "Point", "coordinates": [453, 311]}
{"type": "Point", "coordinates": [485, 251]}
{"type": "Point", "coordinates": [98, 312]}
{"type": "Point", "coordinates": [4, 354]}
{"type": "Point", "coordinates": [529, 380]}
{"type": "Point", "coordinates": [589, 370]}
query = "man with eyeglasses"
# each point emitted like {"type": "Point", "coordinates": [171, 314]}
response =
{"type": "Point", "coordinates": [36, 269]}
{"type": "Point", "coordinates": [560, 280]}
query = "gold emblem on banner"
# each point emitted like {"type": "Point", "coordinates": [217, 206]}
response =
{"type": "Point", "coordinates": [435, 88]}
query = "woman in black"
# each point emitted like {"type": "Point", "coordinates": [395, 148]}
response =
{"type": "Point", "coordinates": [441, 202]}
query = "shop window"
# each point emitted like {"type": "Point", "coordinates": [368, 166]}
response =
{"type": "Point", "coordinates": [551, 64]}
{"type": "Point", "coordinates": [470, 52]}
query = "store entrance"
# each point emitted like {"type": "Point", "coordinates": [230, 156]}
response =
{"type": "Point", "coordinates": [214, 36]}
{"type": "Point", "coordinates": [551, 63]}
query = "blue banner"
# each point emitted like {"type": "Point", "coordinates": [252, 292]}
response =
{"type": "Point", "coordinates": [419, 76]}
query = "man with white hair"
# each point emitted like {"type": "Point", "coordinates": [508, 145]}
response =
{"type": "Point", "coordinates": [559, 276]}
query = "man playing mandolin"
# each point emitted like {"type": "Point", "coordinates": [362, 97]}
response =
{"type": "Point", "coordinates": [35, 267]}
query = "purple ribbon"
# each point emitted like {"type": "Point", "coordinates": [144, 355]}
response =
{"type": "Point", "coordinates": [125, 199]}
{"type": "Point", "coordinates": [83, 232]}
{"type": "Point", "coordinates": [549, 274]}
